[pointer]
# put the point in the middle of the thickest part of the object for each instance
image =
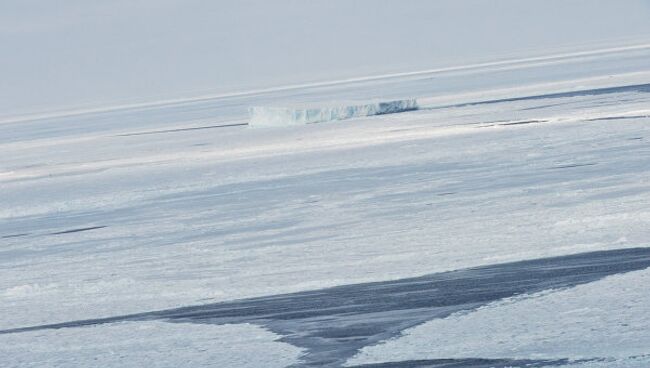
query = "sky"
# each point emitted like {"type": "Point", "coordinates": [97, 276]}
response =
{"type": "Point", "coordinates": [58, 55]}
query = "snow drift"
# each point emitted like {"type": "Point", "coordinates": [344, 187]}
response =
{"type": "Point", "coordinates": [264, 116]}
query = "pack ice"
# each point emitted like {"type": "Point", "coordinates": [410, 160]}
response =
{"type": "Point", "coordinates": [269, 116]}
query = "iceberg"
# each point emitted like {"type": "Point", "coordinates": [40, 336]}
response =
{"type": "Point", "coordinates": [268, 116]}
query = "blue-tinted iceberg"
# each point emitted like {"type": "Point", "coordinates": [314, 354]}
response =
{"type": "Point", "coordinates": [285, 116]}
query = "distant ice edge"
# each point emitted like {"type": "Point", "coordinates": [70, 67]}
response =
{"type": "Point", "coordinates": [287, 116]}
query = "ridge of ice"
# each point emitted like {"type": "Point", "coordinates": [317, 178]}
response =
{"type": "Point", "coordinates": [268, 116]}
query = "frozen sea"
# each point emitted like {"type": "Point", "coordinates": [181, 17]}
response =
{"type": "Point", "coordinates": [505, 223]}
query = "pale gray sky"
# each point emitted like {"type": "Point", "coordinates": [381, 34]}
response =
{"type": "Point", "coordinates": [63, 54]}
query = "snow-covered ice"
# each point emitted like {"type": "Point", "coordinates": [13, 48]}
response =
{"type": "Point", "coordinates": [151, 344]}
{"type": "Point", "coordinates": [144, 208]}
{"type": "Point", "coordinates": [605, 320]}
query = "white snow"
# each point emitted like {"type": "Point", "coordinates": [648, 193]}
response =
{"type": "Point", "coordinates": [150, 344]}
{"type": "Point", "coordinates": [604, 319]}
{"type": "Point", "coordinates": [286, 116]}
{"type": "Point", "coordinates": [195, 214]}
{"type": "Point", "coordinates": [249, 212]}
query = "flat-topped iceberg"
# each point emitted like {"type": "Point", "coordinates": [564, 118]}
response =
{"type": "Point", "coordinates": [265, 116]}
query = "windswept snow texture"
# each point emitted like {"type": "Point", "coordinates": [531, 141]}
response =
{"type": "Point", "coordinates": [331, 325]}
{"type": "Point", "coordinates": [284, 116]}
{"type": "Point", "coordinates": [154, 211]}
{"type": "Point", "coordinates": [149, 344]}
{"type": "Point", "coordinates": [566, 323]}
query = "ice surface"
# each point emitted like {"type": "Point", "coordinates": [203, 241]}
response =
{"type": "Point", "coordinates": [142, 209]}
{"type": "Point", "coordinates": [258, 43]}
{"type": "Point", "coordinates": [151, 344]}
{"type": "Point", "coordinates": [285, 116]}
{"type": "Point", "coordinates": [605, 319]}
